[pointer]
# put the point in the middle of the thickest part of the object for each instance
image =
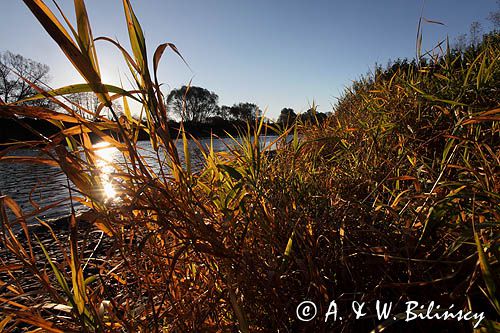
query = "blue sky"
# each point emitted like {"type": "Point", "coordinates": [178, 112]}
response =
{"type": "Point", "coordinates": [274, 53]}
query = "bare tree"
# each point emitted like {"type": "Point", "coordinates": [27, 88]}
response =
{"type": "Point", "coordinates": [87, 101]}
{"type": "Point", "coordinates": [461, 42]}
{"type": "Point", "coordinates": [15, 67]}
{"type": "Point", "coordinates": [90, 102]}
{"type": "Point", "coordinates": [476, 30]}
{"type": "Point", "coordinates": [494, 17]}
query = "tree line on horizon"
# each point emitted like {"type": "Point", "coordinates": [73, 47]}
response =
{"type": "Point", "coordinates": [197, 107]}
{"type": "Point", "coordinates": [190, 104]}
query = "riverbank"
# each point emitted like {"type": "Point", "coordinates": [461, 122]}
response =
{"type": "Point", "coordinates": [42, 245]}
{"type": "Point", "coordinates": [31, 130]}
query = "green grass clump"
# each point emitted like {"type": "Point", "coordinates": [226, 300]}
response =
{"type": "Point", "coordinates": [393, 197]}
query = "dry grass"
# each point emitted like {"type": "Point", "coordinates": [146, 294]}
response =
{"type": "Point", "coordinates": [394, 197]}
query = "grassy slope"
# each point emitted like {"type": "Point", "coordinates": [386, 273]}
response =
{"type": "Point", "coordinates": [383, 197]}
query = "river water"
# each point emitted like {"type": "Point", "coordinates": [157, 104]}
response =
{"type": "Point", "coordinates": [35, 186]}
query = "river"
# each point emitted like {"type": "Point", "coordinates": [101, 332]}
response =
{"type": "Point", "coordinates": [35, 186]}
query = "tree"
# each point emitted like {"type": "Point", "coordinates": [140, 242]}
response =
{"type": "Point", "coordinates": [476, 30]}
{"type": "Point", "coordinates": [312, 116]}
{"type": "Point", "coordinates": [90, 102]}
{"type": "Point", "coordinates": [244, 112]}
{"type": "Point", "coordinates": [15, 67]}
{"type": "Point", "coordinates": [461, 42]}
{"type": "Point", "coordinates": [87, 101]}
{"type": "Point", "coordinates": [287, 116]}
{"type": "Point", "coordinates": [494, 17]}
{"type": "Point", "coordinates": [224, 112]}
{"type": "Point", "coordinates": [195, 104]}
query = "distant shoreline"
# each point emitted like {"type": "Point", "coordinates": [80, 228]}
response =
{"type": "Point", "coordinates": [25, 129]}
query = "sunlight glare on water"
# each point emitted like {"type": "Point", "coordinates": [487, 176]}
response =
{"type": "Point", "coordinates": [105, 153]}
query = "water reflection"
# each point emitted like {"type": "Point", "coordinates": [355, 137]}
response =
{"type": "Point", "coordinates": [47, 185]}
{"type": "Point", "coordinates": [105, 154]}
